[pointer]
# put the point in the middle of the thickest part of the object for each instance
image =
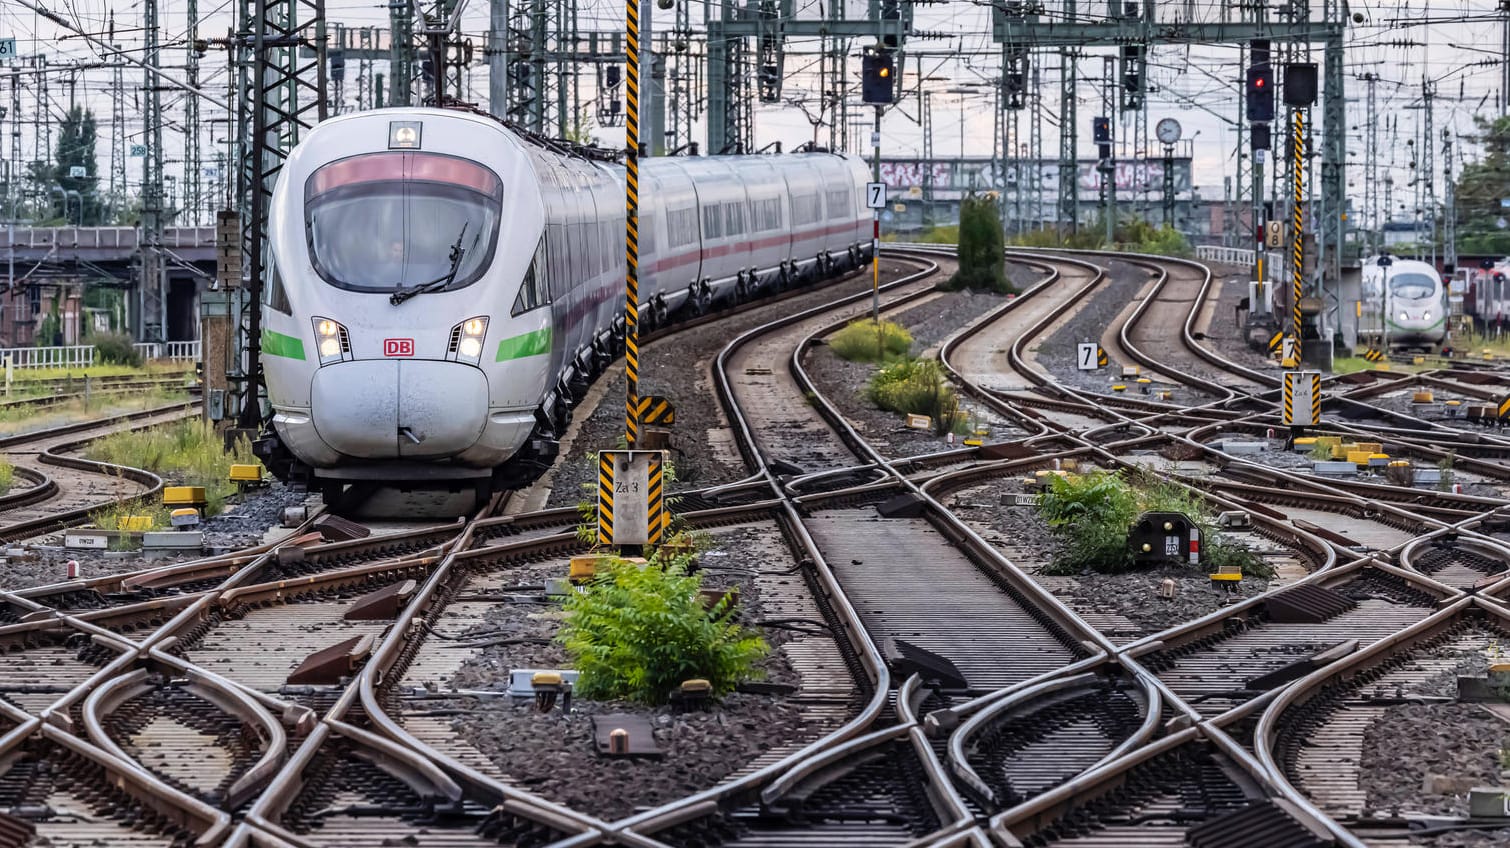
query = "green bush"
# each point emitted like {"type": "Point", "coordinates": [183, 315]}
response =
{"type": "Point", "coordinates": [917, 387]}
{"type": "Point", "coordinates": [981, 264]}
{"type": "Point", "coordinates": [861, 341]}
{"type": "Point", "coordinates": [7, 474]}
{"type": "Point", "coordinates": [1098, 497]}
{"type": "Point", "coordinates": [115, 349]}
{"type": "Point", "coordinates": [637, 632]}
{"type": "Point", "coordinates": [1085, 238]}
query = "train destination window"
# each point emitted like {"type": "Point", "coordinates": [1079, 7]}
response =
{"type": "Point", "coordinates": [381, 222]}
{"type": "Point", "coordinates": [1411, 286]}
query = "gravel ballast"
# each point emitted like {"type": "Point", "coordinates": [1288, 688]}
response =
{"type": "Point", "coordinates": [243, 524]}
{"type": "Point", "coordinates": [677, 368]}
{"type": "Point", "coordinates": [553, 754]}
{"type": "Point", "coordinates": [1124, 606]}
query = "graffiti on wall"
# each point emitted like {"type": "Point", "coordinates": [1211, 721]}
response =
{"type": "Point", "coordinates": [947, 175]}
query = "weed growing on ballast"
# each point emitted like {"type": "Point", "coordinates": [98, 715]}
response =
{"type": "Point", "coordinates": [639, 631]}
{"type": "Point", "coordinates": [917, 387]}
{"type": "Point", "coordinates": [191, 453]}
{"type": "Point", "coordinates": [864, 341]}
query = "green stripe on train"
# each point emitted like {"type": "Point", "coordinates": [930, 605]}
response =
{"type": "Point", "coordinates": [277, 344]}
{"type": "Point", "coordinates": [530, 344]}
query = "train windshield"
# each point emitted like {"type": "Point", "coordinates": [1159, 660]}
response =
{"type": "Point", "coordinates": [382, 222]}
{"type": "Point", "coordinates": [1412, 286]}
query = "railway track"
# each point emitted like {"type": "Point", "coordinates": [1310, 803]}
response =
{"type": "Point", "coordinates": [64, 489]}
{"type": "Point", "coordinates": [249, 699]}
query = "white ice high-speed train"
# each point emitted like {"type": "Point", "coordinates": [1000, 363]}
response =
{"type": "Point", "coordinates": [439, 287]}
{"type": "Point", "coordinates": [1404, 303]}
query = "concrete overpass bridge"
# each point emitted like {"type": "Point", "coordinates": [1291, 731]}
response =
{"type": "Point", "coordinates": [66, 260]}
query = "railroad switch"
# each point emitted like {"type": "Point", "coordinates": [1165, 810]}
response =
{"type": "Point", "coordinates": [1158, 537]}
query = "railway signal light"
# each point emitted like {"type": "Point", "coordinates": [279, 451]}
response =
{"type": "Point", "coordinates": [1260, 93]}
{"type": "Point", "coordinates": [877, 78]}
{"type": "Point", "coordinates": [1300, 84]}
{"type": "Point", "coordinates": [1101, 130]}
{"type": "Point", "coordinates": [1258, 137]}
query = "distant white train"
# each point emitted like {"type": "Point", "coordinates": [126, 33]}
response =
{"type": "Point", "coordinates": [440, 288]}
{"type": "Point", "coordinates": [1404, 303]}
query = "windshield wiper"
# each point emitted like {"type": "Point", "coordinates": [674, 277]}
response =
{"type": "Point", "coordinates": [457, 253]}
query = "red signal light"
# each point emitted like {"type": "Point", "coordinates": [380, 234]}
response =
{"type": "Point", "coordinates": [1258, 83]}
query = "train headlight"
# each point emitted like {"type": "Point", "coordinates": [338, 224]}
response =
{"type": "Point", "coordinates": [1402, 317]}
{"type": "Point", "coordinates": [332, 342]}
{"type": "Point", "coordinates": [1427, 316]}
{"type": "Point", "coordinates": [466, 340]}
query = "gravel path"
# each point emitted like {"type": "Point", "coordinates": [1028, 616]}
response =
{"type": "Point", "coordinates": [553, 753]}
{"type": "Point", "coordinates": [677, 368]}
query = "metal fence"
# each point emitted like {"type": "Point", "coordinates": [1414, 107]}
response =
{"type": "Point", "coordinates": [82, 356]}
{"type": "Point", "coordinates": [184, 351]}
{"type": "Point", "coordinates": [171, 351]}
{"type": "Point", "coordinates": [1224, 255]}
{"type": "Point", "coordinates": [65, 356]}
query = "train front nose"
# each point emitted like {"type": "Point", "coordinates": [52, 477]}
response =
{"type": "Point", "coordinates": [399, 409]}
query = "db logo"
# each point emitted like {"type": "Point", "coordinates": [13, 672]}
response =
{"type": "Point", "coordinates": [398, 347]}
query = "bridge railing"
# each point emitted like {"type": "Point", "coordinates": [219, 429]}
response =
{"type": "Point", "coordinates": [104, 238]}
{"type": "Point", "coordinates": [149, 350]}
{"type": "Point", "coordinates": [63, 356]}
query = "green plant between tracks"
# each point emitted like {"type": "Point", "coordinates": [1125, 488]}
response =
{"type": "Point", "coordinates": [189, 453]}
{"type": "Point", "coordinates": [638, 631]}
{"type": "Point", "coordinates": [865, 341]}
{"type": "Point", "coordinates": [1092, 512]}
{"type": "Point", "coordinates": [918, 387]}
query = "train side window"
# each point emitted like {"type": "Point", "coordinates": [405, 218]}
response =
{"type": "Point", "coordinates": [533, 292]}
{"type": "Point", "coordinates": [713, 221]}
{"type": "Point", "coordinates": [274, 294]}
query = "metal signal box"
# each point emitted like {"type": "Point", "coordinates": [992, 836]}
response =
{"type": "Point", "coordinates": [1165, 537]}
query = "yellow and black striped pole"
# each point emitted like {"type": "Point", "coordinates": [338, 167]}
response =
{"type": "Point", "coordinates": [1297, 255]}
{"type": "Point", "coordinates": [632, 223]}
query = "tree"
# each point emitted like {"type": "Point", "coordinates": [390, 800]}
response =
{"type": "Point", "coordinates": [981, 264]}
{"type": "Point", "coordinates": [76, 190]}
{"type": "Point", "coordinates": [1479, 189]}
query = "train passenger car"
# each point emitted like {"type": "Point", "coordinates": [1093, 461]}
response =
{"type": "Point", "coordinates": [440, 288]}
{"type": "Point", "coordinates": [1404, 304]}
